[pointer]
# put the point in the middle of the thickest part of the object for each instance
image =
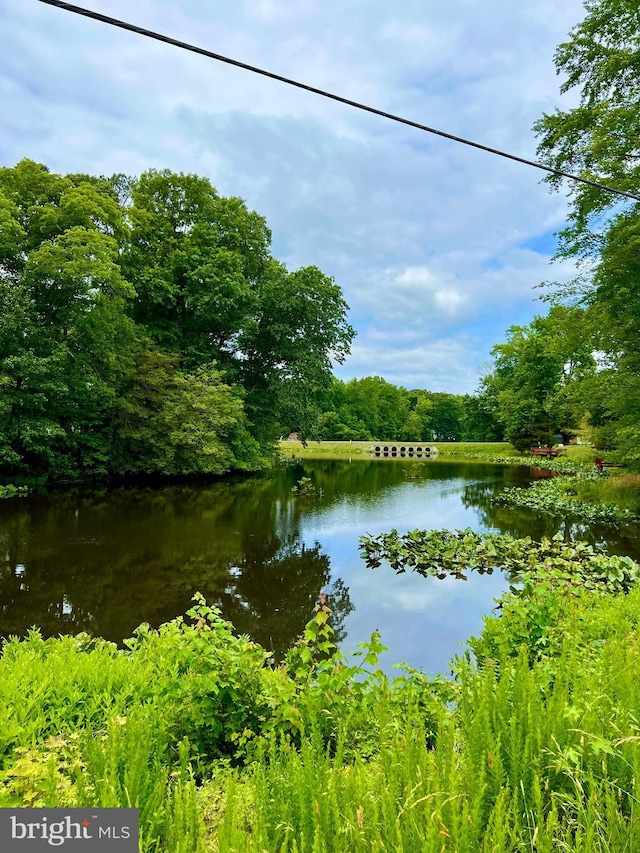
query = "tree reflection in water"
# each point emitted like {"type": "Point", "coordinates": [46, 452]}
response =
{"type": "Point", "coordinates": [518, 521]}
{"type": "Point", "coordinates": [106, 561]}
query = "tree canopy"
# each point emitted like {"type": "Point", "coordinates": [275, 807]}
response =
{"type": "Point", "coordinates": [600, 138]}
{"type": "Point", "coordinates": [535, 375]}
{"type": "Point", "coordinates": [146, 328]}
{"type": "Point", "coordinates": [371, 409]}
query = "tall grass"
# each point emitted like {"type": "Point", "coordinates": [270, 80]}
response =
{"type": "Point", "coordinates": [55, 686]}
{"type": "Point", "coordinates": [622, 490]}
{"type": "Point", "coordinates": [79, 726]}
{"type": "Point", "coordinates": [523, 763]}
{"type": "Point", "coordinates": [539, 757]}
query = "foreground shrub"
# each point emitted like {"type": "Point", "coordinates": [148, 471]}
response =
{"type": "Point", "coordinates": [60, 685]}
{"type": "Point", "coordinates": [537, 753]}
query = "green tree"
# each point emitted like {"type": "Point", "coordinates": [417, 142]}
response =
{"type": "Point", "coordinates": [411, 430]}
{"type": "Point", "coordinates": [614, 306]}
{"type": "Point", "coordinates": [479, 418]}
{"type": "Point", "coordinates": [331, 427]}
{"type": "Point", "coordinates": [195, 258]}
{"type": "Point", "coordinates": [382, 407]}
{"type": "Point", "coordinates": [12, 238]}
{"type": "Point", "coordinates": [288, 348]}
{"type": "Point", "coordinates": [145, 327]}
{"type": "Point", "coordinates": [599, 138]}
{"type": "Point", "coordinates": [536, 370]}
{"type": "Point", "coordinates": [440, 414]}
{"type": "Point", "coordinates": [64, 333]}
{"type": "Point", "coordinates": [168, 422]}
{"type": "Point", "coordinates": [209, 290]}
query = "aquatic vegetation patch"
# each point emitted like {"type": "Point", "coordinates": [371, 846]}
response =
{"type": "Point", "coordinates": [12, 491]}
{"type": "Point", "coordinates": [562, 466]}
{"type": "Point", "coordinates": [559, 495]}
{"type": "Point", "coordinates": [305, 487]}
{"type": "Point", "coordinates": [445, 553]}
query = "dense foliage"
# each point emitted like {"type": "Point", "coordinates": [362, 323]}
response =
{"type": "Point", "coordinates": [146, 328]}
{"type": "Point", "coordinates": [535, 375]}
{"type": "Point", "coordinates": [372, 409]}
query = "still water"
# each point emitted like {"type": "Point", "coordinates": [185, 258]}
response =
{"type": "Point", "coordinates": [105, 561]}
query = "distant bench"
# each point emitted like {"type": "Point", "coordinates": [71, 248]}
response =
{"type": "Point", "coordinates": [551, 452]}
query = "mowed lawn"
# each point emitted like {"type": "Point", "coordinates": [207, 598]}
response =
{"type": "Point", "coordinates": [330, 448]}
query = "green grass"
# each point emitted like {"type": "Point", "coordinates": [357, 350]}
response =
{"type": "Point", "coordinates": [476, 448]}
{"type": "Point", "coordinates": [619, 489]}
{"type": "Point", "coordinates": [530, 759]}
{"type": "Point", "coordinates": [324, 448]}
{"type": "Point", "coordinates": [463, 449]}
{"type": "Point", "coordinates": [339, 448]}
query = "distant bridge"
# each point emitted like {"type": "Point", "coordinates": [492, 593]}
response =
{"type": "Point", "coordinates": [410, 450]}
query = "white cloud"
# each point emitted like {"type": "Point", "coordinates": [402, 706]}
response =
{"type": "Point", "coordinates": [445, 364]}
{"type": "Point", "coordinates": [431, 241]}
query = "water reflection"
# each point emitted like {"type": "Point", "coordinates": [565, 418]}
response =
{"type": "Point", "coordinates": [105, 561]}
{"type": "Point", "coordinates": [520, 521]}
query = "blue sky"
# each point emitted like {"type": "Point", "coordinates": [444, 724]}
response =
{"type": "Point", "coordinates": [436, 246]}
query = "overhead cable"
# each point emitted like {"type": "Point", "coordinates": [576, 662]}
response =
{"type": "Point", "coordinates": [123, 25]}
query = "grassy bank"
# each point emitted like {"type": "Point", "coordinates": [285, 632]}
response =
{"type": "Point", "coordinates": [532, 745]}
{"type": "Point", "coordinates": [315, 449]}
{"type": "Point", "coordinates": [616, 488]}
{"type": "Point", "coordinates": [470, 450]}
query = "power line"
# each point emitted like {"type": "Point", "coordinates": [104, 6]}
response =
{"type": "Point", "coordinates": [123, 25]}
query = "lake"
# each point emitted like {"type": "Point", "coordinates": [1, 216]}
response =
{"type": "Point", "coordinates": [103, 561]}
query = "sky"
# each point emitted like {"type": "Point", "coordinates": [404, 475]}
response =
{"type": "Point", "coordinates": [438, 248]}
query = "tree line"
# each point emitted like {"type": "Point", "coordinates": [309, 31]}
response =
{"type": "Point", "coordinates": [371, 409]}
